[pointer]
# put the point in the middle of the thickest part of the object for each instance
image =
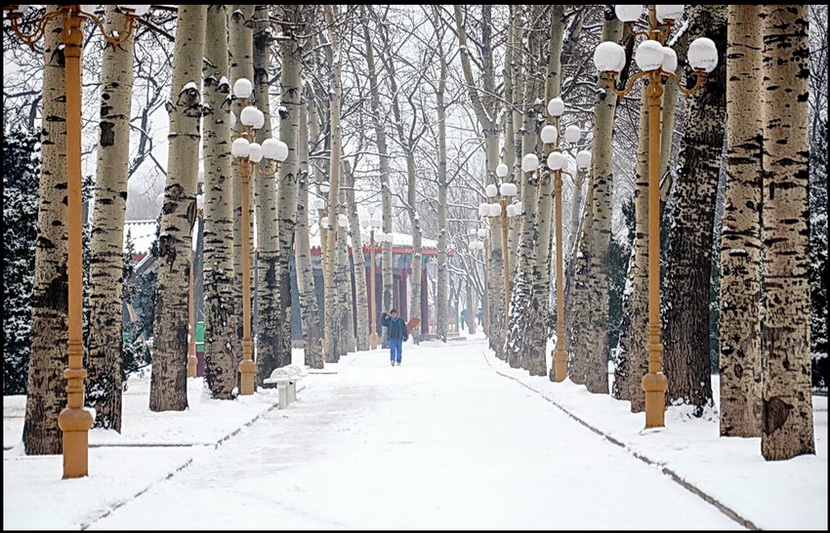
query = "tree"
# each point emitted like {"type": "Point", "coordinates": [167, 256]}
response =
{"type": "Point", "coordinates": [220, 310]}
{"type": "Point", "coordinates": [104, 381]}
{"type": "Point", "coordinates": [787, 413]}
{"type": "Point", "coordinates": [168, 382]}
{"type": "Point", "coordinates": [21, 168]}
{"type": "Point", "coordinates": [688, 264]}
{"type": "Point", "coordinates": [46, 384]}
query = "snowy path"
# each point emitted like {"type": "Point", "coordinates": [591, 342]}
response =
{"type": "Point", "coordinates": [441, 442]}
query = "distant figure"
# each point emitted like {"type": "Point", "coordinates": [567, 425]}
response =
{"type": "Point", "coordinates": [397, 334]}
{"type": "Point", "coordinates": [480, 315]}
{"type": "Point", "coordinates": [465, 317]}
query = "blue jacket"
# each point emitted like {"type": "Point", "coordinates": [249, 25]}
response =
{"type": "Point", "coordinates": [397, 327]}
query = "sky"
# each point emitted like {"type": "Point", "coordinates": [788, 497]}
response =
{"type": "Point", "coordinates": [452, 439]}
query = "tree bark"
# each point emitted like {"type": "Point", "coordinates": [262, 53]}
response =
{"type": "Point", "coordinates": [46, 394]}
{"type": "Point", "coordinates": [689, 258]}
{"type": "Point", "coordinates": [220, 310]}
{"type": "Point", "coordinates": [106, 262]}
{"type": "Point", "coordinates": [739, 328]}
{"type": "Point", "coordinates": [359, 262]}
{"type": "Point", "coordinates": [787, 408]}
{"type": "Point", "coordinates": [168, 382]}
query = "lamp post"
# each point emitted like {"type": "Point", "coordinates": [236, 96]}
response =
{"type": "Point", "coordinates": [657, 64]}
{"type": "Point", "coordinates": [74, 421]}
{"type": "Point", "coordinates": [248, 155]}
{"type": "Point", "coordinates": [502, 210]}
{"type": "Point", "coordinates": [373, 224]}
{"type": "Point", "coordinates": [556, 162]}
{"type": "Point", "coordinates": [192, 359]}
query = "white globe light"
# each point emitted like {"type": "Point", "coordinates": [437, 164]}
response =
{"type": "Point", "coordinates": [324, 187]}
{"type": "Point", "coordinates": [259, 122]}
{"type": "Point", "coordinates": [269, 148]}
{"type": "Point", "coordinates": [482, 233]}
{"type": "Point", "coordinates": [549, 134]}
{"type": "Point", "coordinates": [628, 13]}
{"type": "Point", "coordinates": [491, 190]}
{"type": "Point", "coordinates": [583, 159]}
{"type": "Point", "coordinates": [508, 189]}
{"type": "Point", "coordinates": [511, 210]}
{"type": "Point", "coordinates": [556, 161]}
{"type": "Point", "coordinates": [371, 210]}
{"type": "Point", "coordinates": [483, 209]}
{"type": "Point", "coordinates": [255, 152]}
{"type": "Point", "coordinates": [609, 57]}
{"type": "Point", "coordinates": [669, 60]}
{"type": "Point", "coordinates": [249, 115]}
{"type": "Point", "coordinates": [200, 201]}
{"type": "Point", "coordinates": [502, 170]}
{"type": "Point", "coordinates": [649, 55]}
{"type": "Point", "coordinates": [342, 220]}
{"type": "Point", "coordinates": [281, 151]}
{"type": "Point", "coordinates": [375, 223]}
{"type": "Point", "coordinates": [243, 88]}
{"type": "Point", "coordinates": [241, 147]}
{"type": "Point", "coordinates": [664, 13]}
{"type": "Point", "coordinates": [495, 210]}
{"type": "Point", "coordinates": [703, 54]}
{"type": "Point", "coordinates": [556, 107]}
{"type": "Point", "coordinates": [530, 162]}
{"type": "Point", "coordinates": [324, 222]}
{"type": "Point", "coordinates": [572, 134]}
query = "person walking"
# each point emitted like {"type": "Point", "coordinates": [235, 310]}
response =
{"type": "Point", "coordinates": [396, 335]}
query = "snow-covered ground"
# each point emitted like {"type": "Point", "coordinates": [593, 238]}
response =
{"type": "Point", "coordinates": [452, 439]}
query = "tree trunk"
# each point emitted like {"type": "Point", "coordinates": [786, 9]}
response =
{"type": "Point", "coordinates": [689, 257]}
{"type": "Point", "coordinates": [787, 412]}
{"type": "Point", "coordinates": [271, 344]}
{"type": "Point", "coordinates": [359, 262]}
{"type": "Point", "coordinates": [46, 386]}
{"type": "Point", "coordinates": [332, 307]}
{"type": "Point", "coordinates": [106, 261]}
{"type": "Point", "coordinates": [633, 364]}
{"type": "Point", "coordinates": [220, 310]}
{"type": "Point", "coordinates": [739, 328]}
{"type": "Point", "coordinates": [312, 336]}
{"type": "Point", "coordinates": [168, 383]}
{"type": "Point", "coordinates": [441, 292]}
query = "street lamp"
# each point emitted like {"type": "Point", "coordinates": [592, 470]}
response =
{"type": "Point", "coordinates": [74, 421]}
{"type": "Point", "coordinates": [500, 209]}
{"type": "Point", "coordinates": [248, 155]}
{"type": "Point", "coordinates": [657, 64]}
{"type": "Point", "coordinates": [556, 147]}
{"type": "Point", "coordinates": [374, 247]}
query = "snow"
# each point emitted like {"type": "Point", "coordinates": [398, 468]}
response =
{"type": "Point", "coordinates": [452, 439]}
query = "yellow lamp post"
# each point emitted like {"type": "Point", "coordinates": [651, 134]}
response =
{"type": "Point", "coordinates": [248, 155]}
{"type": "Point", "coordinates": [501, 209]}
{"type": "Point", "coordinates": [556, 163]}
{"type": "Point", "coordinates": [374, 247]}
{"type": "Point", "coordinates": [74, 421]}
{"type": "Point", "coordinates": [657, 64]}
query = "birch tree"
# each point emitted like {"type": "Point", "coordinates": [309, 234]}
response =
{"type": "Point", "coordinates": [168, 381]}
{"type": "Point", "coordinates": [688, 263]}
{"type": "Point", "coordinates": [46, 394]}
{"type": "Point", "coordinates": [220, 311]}
{"type": "Point", "coordinates": [787, 409]}
{"type": "Point", "coordinates": [104, 381]}
{"type": "Point", "coordinates": [358, 259]}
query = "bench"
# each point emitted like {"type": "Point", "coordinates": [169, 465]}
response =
{"type": "Point", "coordinates": [286, 378]}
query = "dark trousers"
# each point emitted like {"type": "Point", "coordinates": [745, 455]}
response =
{"type": "Point", "coordinates": [395, 348]}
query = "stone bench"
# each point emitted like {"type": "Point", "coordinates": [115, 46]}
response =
{"type": "Point", "coordinates": [286, 378]}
